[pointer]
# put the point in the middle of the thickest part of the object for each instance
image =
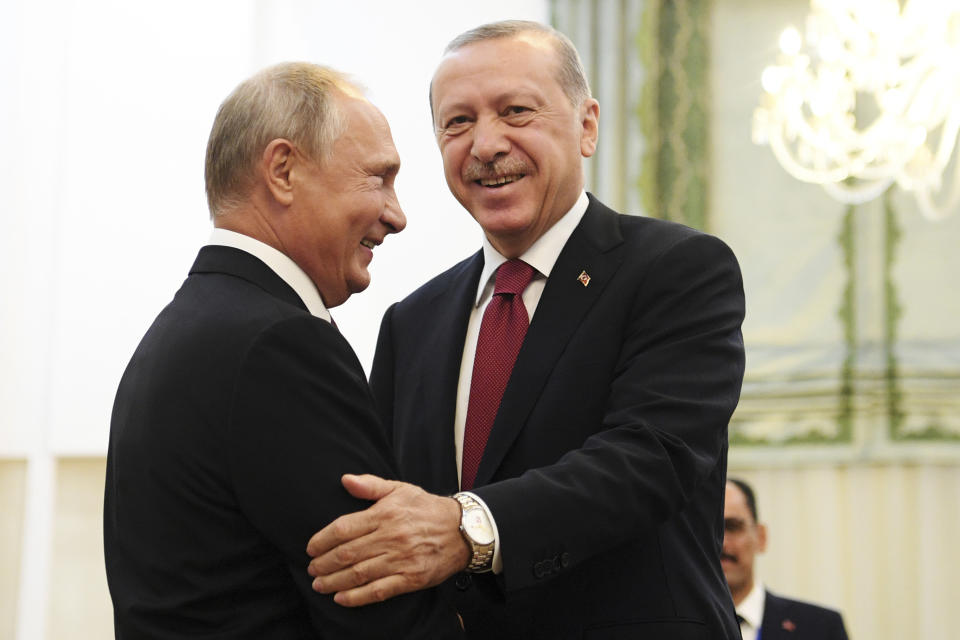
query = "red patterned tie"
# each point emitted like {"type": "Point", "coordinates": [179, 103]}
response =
{"type": "Point", "coordinates": [504, 325]}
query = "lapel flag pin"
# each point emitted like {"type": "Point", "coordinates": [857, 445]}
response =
{"type": "Point", "coordinates": [584, 278]}
{"type": "Point", "coordinates": [788, 625]}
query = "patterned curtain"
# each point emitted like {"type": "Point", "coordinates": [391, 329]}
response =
{"type": "Point", "coordinates": [647, 62]}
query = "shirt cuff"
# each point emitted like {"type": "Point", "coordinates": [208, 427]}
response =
{"type": "Point", "coordinates": [497, 565]}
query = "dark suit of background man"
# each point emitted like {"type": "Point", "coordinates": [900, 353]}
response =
{"type": "Point", "coordinates": [604, 470]}
{"type": "Point", "coordinates": [763, 614]}
{"type": "Point", "coordinates": [243, 405]}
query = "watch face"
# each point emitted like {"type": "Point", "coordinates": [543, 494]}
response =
{"type": "Point", "coordinates": [477, 526]}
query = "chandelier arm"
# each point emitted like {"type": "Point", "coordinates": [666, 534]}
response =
{"type": "Point", "coordinates": [948, 138]}
{"type": "Point", "coordinates": [797, 170]}
{"type": "Point", "coordinates": [934, 211]}
{"type": "Point", "coordinates": [859, 193]}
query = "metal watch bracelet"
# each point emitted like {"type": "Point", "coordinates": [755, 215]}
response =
{"type": "Point", "coordinates": [481, 555]}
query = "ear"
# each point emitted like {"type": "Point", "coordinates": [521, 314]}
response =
{"type": "Point", "coordinates": [761, 537]}
{"type": "Point", "coordinates": [276, 165]}
{"type": "Point", "coordinates": [589, 117]}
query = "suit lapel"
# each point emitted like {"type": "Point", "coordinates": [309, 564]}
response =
{"type": "Point", "coordinates": [440, 375]}
{"type": "Point", "coordinates": [594, 248]}
{"type": "Point", "coordinates": [771, 627]}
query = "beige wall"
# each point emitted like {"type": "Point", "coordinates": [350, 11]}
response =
{"type": "Point", "coordinates": [12, 496]}
{"type": "Point", "coordinates": [78, 606]}
{"type": "Point", "coordinates": [877, 542]}
{"type": "Point", "coordinates": [79, 599]}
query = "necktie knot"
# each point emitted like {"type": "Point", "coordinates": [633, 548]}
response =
{"type": "Point", "coordinates": [513, 276]}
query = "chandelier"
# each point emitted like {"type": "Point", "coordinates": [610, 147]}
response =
{"type": "Point", "coordinates": [869, 97]}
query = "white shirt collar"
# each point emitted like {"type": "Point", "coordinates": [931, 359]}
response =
{"type": "Point", "coordinates": [751, 609]}
{"type": "Point", "coordinates": [543, 253]}
{"type": "Point", "coordinates": [279, 263]}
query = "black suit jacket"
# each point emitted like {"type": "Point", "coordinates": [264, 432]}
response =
{"type": "Point", "coordinates": [606, 463]}
{"type": "Point", "coordinates": [232, 425]}
{"type": "Point", "coordinates": [785, 619]}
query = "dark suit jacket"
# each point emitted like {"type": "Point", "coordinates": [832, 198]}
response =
{"type": "Point", "coordinates": [232, 425]}
{"type": "Point", "coordinates": [785, 619]}
{"type": "Point", "coordinates": [606, 464]}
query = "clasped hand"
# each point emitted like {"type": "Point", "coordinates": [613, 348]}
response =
{"type": "Point", "coordinates": [408, 540]}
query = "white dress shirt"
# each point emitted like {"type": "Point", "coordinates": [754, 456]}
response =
{"type": "Point", "coordinates": [279, 263]}
{"type": "Point", "coordinates": [751, 610]}
{"type": "Point", "coordinates": [541, 255]}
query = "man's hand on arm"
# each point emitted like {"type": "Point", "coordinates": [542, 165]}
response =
{"type": "Point", "coordinates": [408, 540]}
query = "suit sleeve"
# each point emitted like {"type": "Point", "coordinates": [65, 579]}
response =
{"type": "Point", "coordinates": [839, 631]}
{"type": "Point", "coordinates": [303, 416]}
{"type": "Point", "coordinates": [675, 384]}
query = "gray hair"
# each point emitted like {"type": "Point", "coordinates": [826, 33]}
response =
{"type": "Point", "coordinates": [291, 100]}
{"type": "Point", "coordinates": [570, 74]}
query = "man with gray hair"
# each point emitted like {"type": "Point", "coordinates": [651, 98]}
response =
{"type": "Point", "coordinates": [243, 404]}
{"type": "Point", "coordinates": [570, 385]}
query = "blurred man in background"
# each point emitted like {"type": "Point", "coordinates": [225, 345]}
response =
{"type": "Point", "coordinates": [761, 613]}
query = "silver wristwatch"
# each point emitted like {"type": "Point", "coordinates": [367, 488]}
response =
{"type": "Point", "coordinates": [476, 529]}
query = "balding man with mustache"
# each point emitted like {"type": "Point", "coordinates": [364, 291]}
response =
{"type": "Point", "coordinates": [569, 384]}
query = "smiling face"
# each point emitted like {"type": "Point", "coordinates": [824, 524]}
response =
{"type": "Point", "coordinates": [511, 140]}
{"type": "Point", "coordinates": [344, 206]}
{"type": "Point", "coordinates": [743, 539]}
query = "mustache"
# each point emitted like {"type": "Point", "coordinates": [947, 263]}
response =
{"type": "Point", "coordinates": [477, 170]}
